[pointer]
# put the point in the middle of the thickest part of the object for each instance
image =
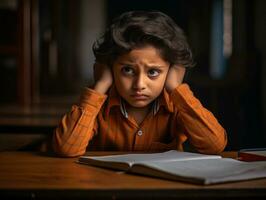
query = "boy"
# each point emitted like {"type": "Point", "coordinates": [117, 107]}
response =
{"type": "Point", "coordinates": [138, 102]}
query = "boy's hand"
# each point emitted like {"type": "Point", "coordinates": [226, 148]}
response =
{"type": "Point", "coordinates": [175, 77]}
{"type": "Point", "coordinates": [103, 77]}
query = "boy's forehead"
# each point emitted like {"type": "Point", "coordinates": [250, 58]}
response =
{"type": "Point", "coordinates": [147, 55]}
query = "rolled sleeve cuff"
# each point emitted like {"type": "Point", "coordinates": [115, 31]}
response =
{"type": "Point", "coordinates": [90, 98]}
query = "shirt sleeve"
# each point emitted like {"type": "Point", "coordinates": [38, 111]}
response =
{"type": "Point", "coordinates": [77, 127]}
{"type": "Point", "coordinates": [203, 130]}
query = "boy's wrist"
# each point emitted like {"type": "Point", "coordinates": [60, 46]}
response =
{"type": "Point", "coordinates": [101, 87]}
{"type": "Point", "coordinates": [171, 88]}
{"type": "Point", "coordinates": [175, 77]}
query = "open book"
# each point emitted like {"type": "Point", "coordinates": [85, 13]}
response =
{"type": "Point", "coordinates": [181, 166]}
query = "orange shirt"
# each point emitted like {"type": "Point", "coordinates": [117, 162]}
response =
{"type": "Point", "coordinates": [99, 122]}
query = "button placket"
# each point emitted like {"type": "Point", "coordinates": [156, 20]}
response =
{"type": "Point", "coordinates": [139, 139]}
{"type": "Point", "coordinates": [139, 132]}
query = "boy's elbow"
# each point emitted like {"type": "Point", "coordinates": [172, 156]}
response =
{"type": "Point", "coordinates": [62, 152]}
{"type": "Point", "coordinates": [212, 149]}
{"type": "Point", "coordinates": [217, 147]}
{"type": "Point", "coordinates": [65, 151]}
{"type": "Point", "coordinates": [222, 144]}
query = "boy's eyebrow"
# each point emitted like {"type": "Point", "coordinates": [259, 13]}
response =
{"type": "Point", "coordinates": [155, 66]}
{"type": "Point", "coordinates": [148, 66]}
{"type": "Point", "coordinates": [125, 63]}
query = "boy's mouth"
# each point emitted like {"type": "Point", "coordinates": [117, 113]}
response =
{"type": "Point", "coordinates": [139, 96]}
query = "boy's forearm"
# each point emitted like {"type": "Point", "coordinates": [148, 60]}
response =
{"type": "Point", "coordinates": [103, 78]}
{"type": "Point", "coordinates": [101, 87]}
{"type": "Point", "coordinates": [203, 130]}
{"type": "Point", "coordinates": [76, 128]}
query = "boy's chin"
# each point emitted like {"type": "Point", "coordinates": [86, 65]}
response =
{"type": "Point", "coordinates": [139, 104]}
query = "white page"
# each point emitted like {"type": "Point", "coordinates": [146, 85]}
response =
{"type": "Point", "coordinates": [213, 170]}
{"type": "Point", "coordinates": [159, 157]}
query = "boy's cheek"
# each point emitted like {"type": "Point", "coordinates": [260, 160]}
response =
{"type": "Point", "coordinates": [122, 84]}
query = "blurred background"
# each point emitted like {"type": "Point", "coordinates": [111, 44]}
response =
{"type": "Point", "coordinates": [46, 60]}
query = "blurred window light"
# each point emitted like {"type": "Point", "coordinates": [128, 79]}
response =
{"type": "Point", "coordinates": [221, 37]}
{"type": "Point", "coordinates": [227, 37]}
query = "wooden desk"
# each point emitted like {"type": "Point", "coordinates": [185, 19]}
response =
{"type": "Point", "coordinates": [30, 175]}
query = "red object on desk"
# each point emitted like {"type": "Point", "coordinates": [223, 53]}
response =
{"type": "Point", "coordinates": [250, 156]}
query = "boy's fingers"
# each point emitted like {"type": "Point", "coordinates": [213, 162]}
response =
{"type": "Point", "coordinates": [180, 71]}
{"type": "Point", "coordinates": [180, 68]}
{"type": "Point", "coordinates": [98, 70]}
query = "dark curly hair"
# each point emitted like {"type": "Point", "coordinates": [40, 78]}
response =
{"type": "Point", "coordinates": [139, 28]}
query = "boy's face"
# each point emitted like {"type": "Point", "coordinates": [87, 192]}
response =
{"type": "Point", "coordinates": [140, 75]}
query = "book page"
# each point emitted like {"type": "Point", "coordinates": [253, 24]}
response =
{"type": "Point", "coordinates": [172, 155]}
{"type": "Point", "coordinates": [206, 171]}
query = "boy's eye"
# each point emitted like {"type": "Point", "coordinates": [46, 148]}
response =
{"type": "Point", "coordinates": [153, 72]}
{"type": "Point", "coordinates": [127, 70]}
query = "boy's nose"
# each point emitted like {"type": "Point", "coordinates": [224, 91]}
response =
{"type": "Point", "coordinates": [139, 82]}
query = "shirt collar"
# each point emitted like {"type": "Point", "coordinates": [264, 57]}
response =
{"type": "Point", "coordinates": [115, 100]}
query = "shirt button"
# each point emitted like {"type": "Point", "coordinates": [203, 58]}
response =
{"type": "Point", "coordinates": [140, 133]}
